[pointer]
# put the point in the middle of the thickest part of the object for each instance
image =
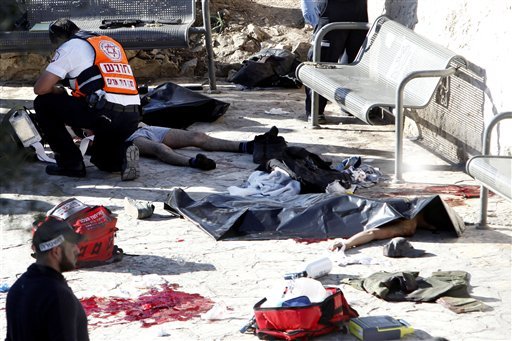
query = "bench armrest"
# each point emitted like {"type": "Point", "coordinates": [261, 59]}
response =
{"type": "Point", "coordinates": [400, 116]}
{"type": "Point", "coordinates": [486, 139]}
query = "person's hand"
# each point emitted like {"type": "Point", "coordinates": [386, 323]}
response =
{"type": "Point", "coordinates": [339, 245]}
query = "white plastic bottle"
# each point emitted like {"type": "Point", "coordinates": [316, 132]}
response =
{"type": "Point", "coordinates": [314, 269]}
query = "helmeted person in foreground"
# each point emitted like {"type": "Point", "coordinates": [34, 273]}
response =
{"type": "Point", "coordinates": [40, 304]}
{"type": "Point", "coordinates": [104, 99]}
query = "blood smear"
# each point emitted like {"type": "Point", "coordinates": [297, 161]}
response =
{"type": "Point", "coordinates": [154, 307]}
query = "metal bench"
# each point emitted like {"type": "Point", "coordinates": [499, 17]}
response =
{"type": "Point", "coordinates": [396, 69]}
{"type": "Point", "coordinates": [494, 172]}
{"type": "Point", "coordinates": [163, 24]}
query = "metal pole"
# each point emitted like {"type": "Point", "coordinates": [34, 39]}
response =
{"type": "Point", "coordinates": [486, 150]}
{"type": "Point", "coordinates": [208, 43]}
{"type": "Point", "coordinates": [399, 112]}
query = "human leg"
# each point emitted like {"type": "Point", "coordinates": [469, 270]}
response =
{"type": "Point", "coordinates": [168, 155]}
{"type": "Point", "coordinates": [348, 41]}
{"type": "Point", "coordinates": [53, 113]}
{"type": "Point", "coordinates": [177, 138]}
{"type": "Point", "coordinates": [322, 101]}
{"type": "Point", "coordinates": [161, 151]}
{"type": "Point", "coordinates": [110, 147]}
{"type": "Point", "coordinates": [333, 44]}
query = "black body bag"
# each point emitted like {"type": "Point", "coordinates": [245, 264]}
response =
{"type": "Point", "coordinates": [173, 106]}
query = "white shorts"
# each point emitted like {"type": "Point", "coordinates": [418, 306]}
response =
{"type": "Point", "coordinates": [152, 133]}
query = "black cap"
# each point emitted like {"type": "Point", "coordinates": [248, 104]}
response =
{"type": "Point", "coordinates": [400, 247]}
{"type": "Point", "coordinates": [61, 30]}
{"type": "Point", "coordinates": [52, 232]}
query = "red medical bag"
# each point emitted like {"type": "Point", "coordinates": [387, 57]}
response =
{"type": "Point", "coordinates": [97, 224]}
{"type": "Point", "coordinates": [290, 323]}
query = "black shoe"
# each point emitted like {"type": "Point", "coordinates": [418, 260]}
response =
{"type": "Point", "coordinates": [268, 146]}
{"type": "Point", "coordinates": [202, 162]}
{"type": "Point", "coordinates": [130, 169]}
{"type": "Point", "coordinates": [321, 118]}
{"type": "Point", "coordinates": [74, 172]}
{"type": "Point", "coordinates": [272, 132]}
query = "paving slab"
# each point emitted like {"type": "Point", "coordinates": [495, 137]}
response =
{"type": "Point", "coordinates": [237, 274]}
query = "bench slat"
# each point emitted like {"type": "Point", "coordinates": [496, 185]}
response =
{"type": "Point", "coordinates": [49, 10]}
{"type": "Point", "coordinates": [175, 36]}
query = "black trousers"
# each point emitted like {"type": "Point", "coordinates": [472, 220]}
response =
{"type": "Point", "coordinates": [111, 129]}
{"type": "Point", "coordinates": [337, 42]}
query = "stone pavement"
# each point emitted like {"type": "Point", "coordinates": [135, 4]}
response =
{"type": "Point", "coordinates": [237, 274]}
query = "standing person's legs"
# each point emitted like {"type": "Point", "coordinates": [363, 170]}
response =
{"type": "Point", "coordinates": [53, 113]}
{"type": "Point", "coordinates": [336, 42]}
{"type": "Point", "coordinates": [333, 44]}
{"type": "Point", "coordinates": [322, 101]}
{"type": "Point", "coordinates": [348, 41]}
{"type": "Point", "coordinates": [359, 13]}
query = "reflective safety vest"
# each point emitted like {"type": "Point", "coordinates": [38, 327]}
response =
{"type": "Point", "coordinates": [110, 72]}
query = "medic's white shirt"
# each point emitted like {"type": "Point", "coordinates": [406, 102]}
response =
{"type": "Point", "coordinates": [76, 55]}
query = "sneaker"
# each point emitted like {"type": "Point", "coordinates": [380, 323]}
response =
{"type": "Point", "coordinates": [202, 162]}
{"type": "Point", "coordinates": [74, 172]}
{"type": "Point", "coordinates": [138, 209]}
{"type": "Point", "coordinates": [268, 146]}
{"type": "Point", "coordinates": [130, 169]}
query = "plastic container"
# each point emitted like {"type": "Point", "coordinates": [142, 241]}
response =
{"type": "Point", "coordinates": [315, 269]}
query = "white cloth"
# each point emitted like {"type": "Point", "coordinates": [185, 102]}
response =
{"type": "Point", "coordinates": [41, 153]}
{"type": "Point", "coordinates": [76, 55]}
{"type": "Point", "coordinates": [276, 183]}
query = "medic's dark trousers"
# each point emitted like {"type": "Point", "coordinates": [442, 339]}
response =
{"type": "Point", "coordinates": [111, 129]}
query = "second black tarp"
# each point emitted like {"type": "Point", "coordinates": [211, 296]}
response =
{"type": "Point", "coordinates": [314, 216]}
{"type": "Point", "coordinates": [174, 106]}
